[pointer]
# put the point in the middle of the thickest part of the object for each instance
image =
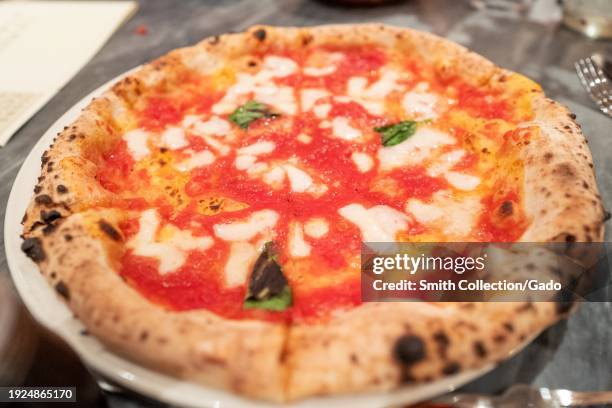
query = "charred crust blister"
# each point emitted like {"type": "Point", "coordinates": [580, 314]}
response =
{"type": "Point", "coordinates": [61, 189]}
{"type": "Point", "coordinates": [409, 349]}
{"type": "Point", "coordinates": [49, 216]}
{"type": "Point", "coordinates": [43, 199]}
{"type": "Point", "coordinates": [260, 34]}
{"type": "Point", "coordinates": [451, 368]}
{"type": "Point", "coordinates": [109, 230]}
{"type": "Point", "coordinates": [62, 289]}
{"type": "Point", "coordinates": [33, 248]}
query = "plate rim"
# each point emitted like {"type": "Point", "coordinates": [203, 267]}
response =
{"type": "Point", "coordinates": [132, 375]}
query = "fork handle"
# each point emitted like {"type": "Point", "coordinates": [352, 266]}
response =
{"type": "Point", "coordinates": [580, 399]}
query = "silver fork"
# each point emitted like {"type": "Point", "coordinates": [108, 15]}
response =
{"type": "Point", "coordinates": [596, 83]}
{"type": "Point", "coordinates": [521, 395]}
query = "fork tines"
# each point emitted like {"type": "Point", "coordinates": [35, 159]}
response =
{"type": "Point", "coordinates": [596, 83]}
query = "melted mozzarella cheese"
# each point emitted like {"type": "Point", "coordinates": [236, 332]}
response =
{"type": "Point", "coordinates": [299, 180]}
{"type": "Point", "coordinates": [262, 147]}
{"type": "Point", "coordinates": [372, 97]}
{"type": "Point", "coordinates": [275, 177]}
{"type": "Point", "coordinates": [454, 216]}
{"type": "Point", "coordinates": [462, 181]}
{"type": "Point", "coordinates": [137, 143]}
{"type": "Point", "coordinates": [214, 126]}
{"type": "Point", "coordinates": [363, 161]}
{"type": "Point", "coordinates": [342, 129]}
{"type": "Point", "coordinates": [262, 87]}
{"type": "Point", "coordinates": [321, 110]}
{"type": "Point", "coordinates": [445, 162]}
{"type": "Point", "coordinates": [279, 67]}
{"type": "Point", "coordinates": [221, 148]}
{"type": "Point", "coordinates": [420, 105]}
{"type": "Point", "coordinates": [282, 98]}
{"type": "Point", "coordinates": [377, 224]}
{"type": "Point", "coordinates": [298, 247]}
{"type": "Point", "coordinates": [415, 149]}
{"type": "Point", "coordinates": [316, 227]}
{"type": "Point", "coordinates": [174, 138]}
{"type": "Point", "coordinates": [241, 259]}
{"type": "Point", "coordinates": [195, 160]}
{"type": "Point", "coordinates": [172, 249]}
{"type": "Point", "coordinates": [309, 97]}
{"type": "Point", "coordinates": [244, 161]}
{"type": "Point", "coordinates": [255, 224]}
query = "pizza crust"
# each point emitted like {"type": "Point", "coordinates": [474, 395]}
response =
{"type": "Point", "coordinates": [373, 347]}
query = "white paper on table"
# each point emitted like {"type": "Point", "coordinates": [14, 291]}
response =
{"type": "Point", "coordinates": [45, 43]}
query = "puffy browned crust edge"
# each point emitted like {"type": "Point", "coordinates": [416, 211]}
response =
{"type": "Point", "coordinates": [270, 361]}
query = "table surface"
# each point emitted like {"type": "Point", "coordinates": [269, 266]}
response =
{"type": "Point", "coordinates": [580, 358]}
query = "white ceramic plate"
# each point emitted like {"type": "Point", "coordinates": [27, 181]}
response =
{"type": "Point", "coordinates": [50, 311]}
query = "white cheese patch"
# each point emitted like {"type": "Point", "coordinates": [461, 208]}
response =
{"type": "Point", "coordinates": [174, 138]}
{"type": "Point", "coordinates": [221, 148]}
{"type": "Point", "coordinates": [275, 177]}
{"type": "Point", "coordinates": [299, 180]}
{"type": "Point", "coordinates": [380, 223]}
{"type": "Point", "coordinates": [309, 97]}
{"type": "Point", "coordinates": [255, 224]}
{"type": "Point", "coordinates": [304, 138]}
{"type": "Point", "coordinates": [137, 143]}
{"type": "Point", "coordinates": [214, 126]}
{"type": "Point", "coordinates": [171, 251]}
{"type": "Point", "coordinates": [262, 87]}
{"type": "Point", "coordinates": [454, 216]}
{"type": "Point", "coordinates": [279, 67]}
{"type": "Point", "coordinates": [316, 227]}
{"type": "Point", "coordinates": [321, 110]}
{"type": "Point", "coordinates": [462, 181]}
{"type": "Point", "coordinates": [420, 105]}
{"type": "Point", "coordinates": [281, 98]}
{"type": "Point", "coordinates": [342, 129]}
{"type": "Point", "coordinates": [415, 149]}
{"type": "Point", "coordinates": [372, 97]}
{"type": "Point", "coordinates": [195, 160]}
{"type": "Point", "coordinates": [298, 247]}
{"type": "Point", "coordinates": [244, 161]}
{"type": "Point", "coordinates": [445, 162]}
{"type": "Point", "coordinates": [363, 161]}
{"type": "Point", "coordinates": [241, 259]}
{"type": "Point", "coordinates": [262, 147]}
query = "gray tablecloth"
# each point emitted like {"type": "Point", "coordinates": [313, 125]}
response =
{"type": "Point", "coordinates": [578, 356]}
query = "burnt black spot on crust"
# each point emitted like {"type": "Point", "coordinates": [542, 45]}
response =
{"type": "Point", "coordinates": [33, 248]}
{"type": "Point", "coordinates": [49, 216]}
{"type": "Point", "coordinates": [607, 216]}
{"type": "Point", "coordinates": [49, 229]}
{"type": "Point", "coordinates": [61, 189]}
{"type": "Point", "coordinates": [68, 237]}
{"type": "Point", "coordinates": [506, 209]}
{"type": "Point", "coordinates": [409, 349]}
{"type": "Point", "coordinates": [37, 189]}
{"type": "Point", "coordinates": [62, 289]}
{"type": "Point", "coordinates": [260, 34]}
{"type": "Point", "coordinates": [479, 349]}
{"type": "Point", "coordinates": [451, 368]}
{"type": "Point", "coordinates": [109, 230]}
{"type": "Point", "coordinates": [43, 199]}
{"type": "Point", "coordinates": [144, 335]}
{"type": "Point", "coordinates": [443, 341]}
{"type": "Point", "coordinates": [572, 116]}
{"type": "Point", "coordinates": [509, 327]}
{"type": "Point", "coordinates": [548, 156]}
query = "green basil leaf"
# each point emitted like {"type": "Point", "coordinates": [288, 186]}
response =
{"type": "Point", "coordinates": [395, 134]}
{"type": "Point", "coordinates": [268, 288]}
{"type": "Point", "coordinates": [276, 303]}
{"type": "Point", "coordinates": [250, 111]}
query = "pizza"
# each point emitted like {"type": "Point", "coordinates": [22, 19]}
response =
{"type": "Point", "coordinates": [204, 216]}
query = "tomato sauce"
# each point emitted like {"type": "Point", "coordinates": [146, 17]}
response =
{"type": "Point", "coordinates": [199, 283]}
